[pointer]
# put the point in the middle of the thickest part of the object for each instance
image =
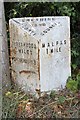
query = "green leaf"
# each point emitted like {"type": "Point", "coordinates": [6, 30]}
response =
{"type": "Point", "coordinates": [78, 80]}
{"type": "Point", "coordinates": [61, 99]}
{"type": "Point", "coordinates": [52, 7]}
{"type": "Point", "coordinates": [74, 66]}
{"type": "Point", "coordinates": [72, 85]}
{"type": "Point", "coordinates": [52, 94]}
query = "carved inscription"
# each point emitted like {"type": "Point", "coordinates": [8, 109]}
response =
{"type": "Point", "coordinates": [37, 22]}
{"type": "Point", "coordinates": [40, 52]}
{"type": "Point", "coordinates": [54, 46]}
{"type": "Point", "coordinates": [22, 60]}
{"type": "Point", "coordinates": [29, 49]}
{"type": "Point", "coordinates": [49, 28]}
{"type": "Point", "coordinates": [39, 19]}
{"type": "Point", "coordinates": [46, 30]}
{"type": "Point", "coordinates": [24, 48]}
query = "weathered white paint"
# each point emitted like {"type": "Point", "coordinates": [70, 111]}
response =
{"type": "Point", "coordinates": [47, 66]}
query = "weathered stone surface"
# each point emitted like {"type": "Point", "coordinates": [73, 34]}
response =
{"type": "Point", "coordinates": [0, 11]}
{"type": "Point", "coordinates": [40, 52]}
{"type": "Point", "coordinates": [0, 26]}
{"type": "Point", "coordinates": [4, 57]}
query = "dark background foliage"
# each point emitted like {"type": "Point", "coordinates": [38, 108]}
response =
{"type": "Point", "coordinates": [66, 101]}
{"type": "Point", "coordinates": [35, 9]}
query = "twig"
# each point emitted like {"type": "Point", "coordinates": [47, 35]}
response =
{"type": "Point", "coordinates": [49, 105]}
{"type": "Point", "coordinates": [22, 96]}
{"type": "Point", "coordinates": [43, 108]}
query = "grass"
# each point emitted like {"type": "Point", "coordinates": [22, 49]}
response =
{"type": "Point", "coordinates": [61, 104]}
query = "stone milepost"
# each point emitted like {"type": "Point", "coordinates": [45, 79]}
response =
{"type": "Point", "coordinates": [40, 52]}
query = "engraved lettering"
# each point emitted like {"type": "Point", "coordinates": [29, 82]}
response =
{"type": "Point", "coordinates": [45, 31]}
{"type": "Point", "coordinates": [34, 34]}
{"type": "Point", "coordinates": [32, 45]}
{"type": "Point", "coordinates": [47, 51]}
{"type": "Point", "coordinates": [56, 42]}
{"type": "Point", "coordinates": [31, 19]}
{"type": "Point", "coordinates": [56, 49]}
{"type": "Point", "coordinates": [35, 46]}
{"type": "Point", "coordinates": [31, 52]}
{"type": "Point", "coordinates": [61, 43]}
{"type": "Point", "coordinates": [19, 50]}
{"type": "Point", "coordinates": [43, 45]}
{"type": "Point", "coordinates": [59, 49]}
{"type": "Point", "coordinates": [41, 19]}
{"type": "Point", "coordinates": [52, 44]}
{"type": "Point", "coordinates": [51, 50]}
{"type": "Point", "coordinates": [48, 44]}
{"type": "Point", "coordinates": [48, 29]}
{"type": "Point", "coordinates": [27, 51]}
{"type": "Point", "coordinates": [64, 41]}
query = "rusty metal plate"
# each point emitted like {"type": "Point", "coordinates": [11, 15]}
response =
{"type": "Point", "coordinates": [40, 52]}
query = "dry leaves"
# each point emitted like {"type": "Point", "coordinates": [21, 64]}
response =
{"type": "Point", "coordinates": [65, 104]}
